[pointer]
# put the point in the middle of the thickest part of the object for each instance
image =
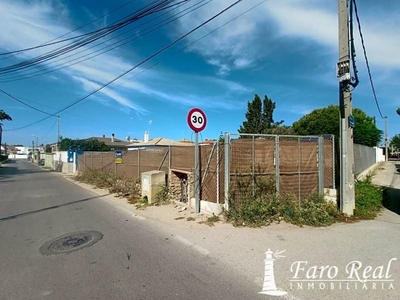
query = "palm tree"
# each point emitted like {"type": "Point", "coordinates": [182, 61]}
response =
{"type": "Point", "coordinates": [3, 116]}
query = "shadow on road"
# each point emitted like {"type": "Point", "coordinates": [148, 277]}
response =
{"type": "Point", "coordinates": [391, 196]}
{"type": "Point", "coordinates": [48, 208]}
{"type": "Point", "coordinates": [391, 199]}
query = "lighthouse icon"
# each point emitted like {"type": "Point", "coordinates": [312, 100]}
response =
{"type": "Point", "coordinates": [269, 286]}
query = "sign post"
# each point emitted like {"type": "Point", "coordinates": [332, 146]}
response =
{"type": "Point", "coordinates": [197, 121]}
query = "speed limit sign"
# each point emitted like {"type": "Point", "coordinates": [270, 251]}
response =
{"type": "Point", "coordinates": [197, 119]}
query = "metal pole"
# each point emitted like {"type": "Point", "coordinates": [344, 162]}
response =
{"type": "Point", "coordinates": [218, 171]}
{"type": "Point", "coordinates": [386, 141]}
{"type": "Point", "coordinates": [321, 165]}
{"type": "Point", "coordinates": [252, 166]}
{"type": "Point", "coordinates": [333, 163]}
{"type": "Point", "coordinates": [347, 155]}
{"type": "Point", "coordinates": [227, 176]}
{"type": "Point", "coordinates": [138, 163]}
{"type": "Point", "coordinates": [277, 171]}
{"type": "Point", "coordinates": [299, 167]}
{"type": "Point", "coordinates": [1, 136]}
{"type": "Point", "coordinates": [196, 172]}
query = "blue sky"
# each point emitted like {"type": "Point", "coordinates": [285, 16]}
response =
{"type": "Point", "coordinates": [284, 49]}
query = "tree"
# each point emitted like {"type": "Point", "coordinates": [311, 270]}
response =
{"type": "Point", "coordinates": [395, 142]}
{"type": "Point", "coordinates": [85, 144]}
{"type": "Point", "coordinates": [4, 116]}
{"type": "Point", "coordinates": [327, 121]}
{"type": "Point", "coordinates": [398, 111]}
{"type": "Point", "coordinates": [259, 116]}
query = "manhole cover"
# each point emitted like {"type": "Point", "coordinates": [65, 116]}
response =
{"type": "Point", "coordinates": [71, 242]}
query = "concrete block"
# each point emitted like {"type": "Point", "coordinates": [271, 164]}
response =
{"type": "Point", "coordinates": [151, 181]}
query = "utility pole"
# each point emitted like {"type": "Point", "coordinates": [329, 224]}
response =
{"type": "Point", "coordinates": [347, 197]}
{"type": "Point", "coordinates": [386, 141]}
{"type": "Point", "coordinates": [33, 150]}
{"type": "Point", "coordinates": [58, 132]}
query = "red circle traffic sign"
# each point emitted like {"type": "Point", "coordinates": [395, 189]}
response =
{"type": "Point", "coordinates": [196, 119]}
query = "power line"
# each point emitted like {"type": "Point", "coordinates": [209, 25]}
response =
{"type": "Point", "coordinates": [156, 7]}
{"type": "Point", "coordinates": [138, 65]}
{"type": "Point", "coordinates": [366, 59]}
{"type": "Point", "coordinates": [110, 47]}
{"type": "Point", "coordinates": [26, 104]}
{"type": "Point", "coordinates": [51, 128]}
{"type": "Point", "coordinates": [48, 43]}
{"type": "Point", "coordinates": [194, 42]}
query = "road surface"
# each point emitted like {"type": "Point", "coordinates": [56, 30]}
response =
{"type": "Point", "coordinates": [133, 260]}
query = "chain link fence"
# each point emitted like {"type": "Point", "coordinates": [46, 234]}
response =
{"type": "Point", "coordinates": [296, 165]}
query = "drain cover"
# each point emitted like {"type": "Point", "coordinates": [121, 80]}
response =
{"type": "Point", "coordinates": [71, 242]}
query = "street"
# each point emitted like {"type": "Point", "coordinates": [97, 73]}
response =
{"type": "Point", "coordinates": [131, 260]}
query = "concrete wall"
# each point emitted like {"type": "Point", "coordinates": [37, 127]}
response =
{"type": "Point", "coordinates": [364, 157]}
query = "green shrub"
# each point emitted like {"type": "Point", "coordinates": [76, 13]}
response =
{"type": "Point", "coordinates": [261, 211]}
{"type": "Point", "coordinates": [368, 199]}
{"type": "Point", "coordinates": [162, 194]}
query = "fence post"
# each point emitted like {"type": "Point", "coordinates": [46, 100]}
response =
{"type": "Point", "coordinates": [138, 163]}
{"type": "Point", "coordinates": [321, 165]}
{"type": "Point", "coordinates": [169, 158]}
{"type": "Point", "coordinates": [252, 165]}
{"type": "Point", "coordinates": [227, 169]}
{"type": "Point", "coordinates": [91, 157]}
{"type": "Point", "coordinates": [277, 171]}
{"type": "Point", "coordinates": [299, 167]}
{"type": "Point", "coordinates": [84, 161]}
{"type": "Point", "coordinates": [102, 162]}
{"type": "Point", "coordinates": [218, 171]}
{"type": "Point", "coordinates": [333, 163]}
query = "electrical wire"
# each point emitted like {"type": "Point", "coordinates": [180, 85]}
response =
{"type": "Point", "coordinates": [157, 7]}
{"type": "Point", "coordinates": [110, 47]}
{"type": "Point", "coordinates": [136, 66]}
{"type": "Point", "coordinates": [192, 43]}
{"type": "Point", "coordinates": [51, 128]}
{"type": "Point", "coordinates": [355, 81]}
{"type": "Point", "coordinates": [48, 43]}
{"type": "Point", "coordinates": [26, 104]}
{"type": "Point", "coordinates": [366, 60]}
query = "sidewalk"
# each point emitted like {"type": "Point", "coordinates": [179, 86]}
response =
{"type": "Point", "coordinates": [369, 242]}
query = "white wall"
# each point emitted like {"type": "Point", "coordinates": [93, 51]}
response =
{"type": "Point", "coordinates": [379, 154]}
{"type": "Point", "coordinates": [18, 156]}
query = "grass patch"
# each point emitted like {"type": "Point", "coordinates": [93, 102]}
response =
{"type": "Point", "coordinates": [210, 221]}
{"type": "Point", "coordinates": [267, 209]}
{"type": "Point", "coordinates": [125, 187]}
{"type": "Point", "coordinates": [258, 205]}
{"type": "Point", "coordinates": [179, 218]}
{"type": "Point", "coordinates": [190, 219]}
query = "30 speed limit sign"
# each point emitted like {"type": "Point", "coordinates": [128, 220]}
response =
{"type": "Point", "coordinates": [197, 119]}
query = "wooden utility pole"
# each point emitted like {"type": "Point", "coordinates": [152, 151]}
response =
{"type": "Point", "coordinates": [347, 201]}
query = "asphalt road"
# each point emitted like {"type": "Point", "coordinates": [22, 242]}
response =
{"type": "Point", "coordinates": [134, 259]}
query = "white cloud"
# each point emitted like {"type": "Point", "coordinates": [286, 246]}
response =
{"type": "Point", "coordinates": [90, 86]}
{"type": "Point", "coordinates": [247, 41]}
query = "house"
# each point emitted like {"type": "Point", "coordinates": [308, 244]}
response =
{"type": "Point", "coordinates": [157, 142]}
{"type": "Point", "coordinates": [112, 142]}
